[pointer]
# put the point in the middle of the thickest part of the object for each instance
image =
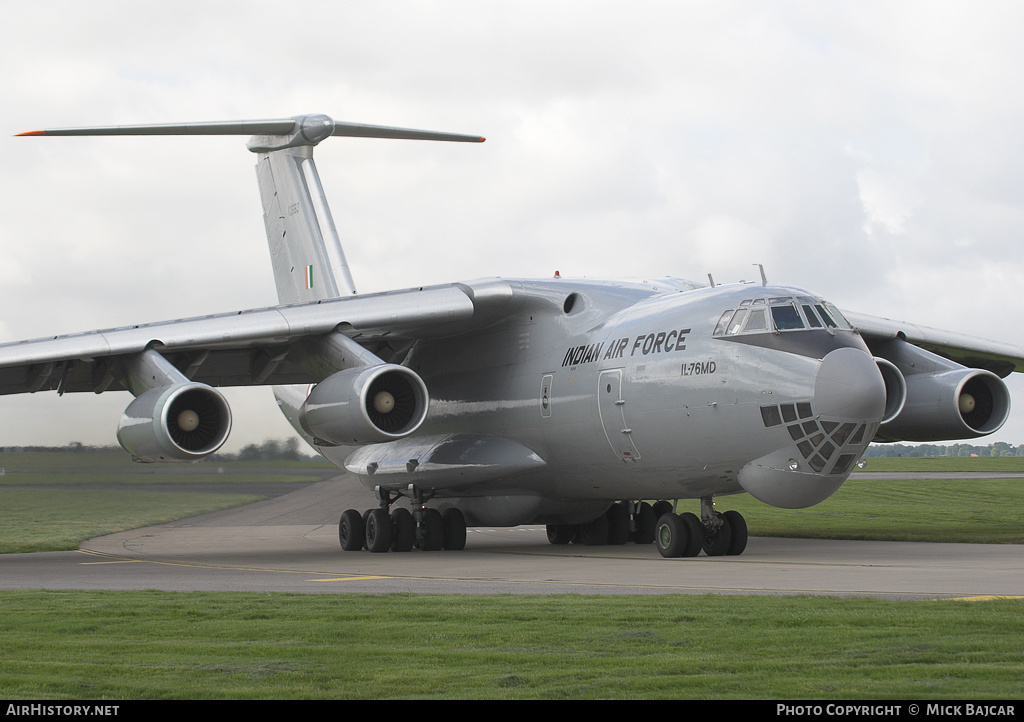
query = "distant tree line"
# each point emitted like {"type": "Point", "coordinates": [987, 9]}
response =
{"type": "Point", "coordinates": [1000, 448]}
{"type": "Point", "coordinates": [291, 449]}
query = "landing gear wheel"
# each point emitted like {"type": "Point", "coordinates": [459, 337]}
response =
{"type": "Point", "coordinates": [738, 527]}
{"type": "Point", "coordinates": [351, 531]}
{"type": "Point", "coordinates": [432, 531]}
{"type": "Point", "coordinates": [403, 528]}
{"type": "Point", "coordinates": [644, 520]}
{"type": "Point", "coordinates": [671, 535]}
{"type": "Point", "coordinates": [454, 529]}
{"type": "Point", "coordinates": [716, 543]}
{"type": "Point", "coordinates": [594, 533]}
{"type": "Point", "coordinates": [378, 530]}
{"type": "Point", "coordinates": [661, 508]}
{"type": "Point", "coordinates": [696, 531]}
{"type": "Point", "coordinates": [560, 533]}
{"type": "Point", "coordinates": [618, 524]}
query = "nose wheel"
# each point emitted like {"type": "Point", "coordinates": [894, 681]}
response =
{"type": "Point", "coordinates": [718, 534]}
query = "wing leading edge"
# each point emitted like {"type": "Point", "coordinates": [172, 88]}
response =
{"type": "Point", "coordinates": [257, 347]}
{"type": "Point", "coordinates": [1000, 358]}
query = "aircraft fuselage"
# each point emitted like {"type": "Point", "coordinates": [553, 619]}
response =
{"type": "Point", "coordinates": [626, 392]}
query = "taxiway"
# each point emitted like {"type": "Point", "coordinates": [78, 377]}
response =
{"type": "Point", "coordinates": [289, 544]}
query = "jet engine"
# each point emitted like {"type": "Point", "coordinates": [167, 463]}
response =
{"type": "Point", "coordinates": [180, 422]}
{"type": "Point", "coordinates": [958, 404]}
{"type": "Point", "coordinates": [365, 405]}
{"type": "Point", "coordinates": [895, 389]}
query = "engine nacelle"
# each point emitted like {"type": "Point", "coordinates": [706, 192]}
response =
{"type": "Point", "coordinates": [958, 404]}
{"type": "Point", "coordinates": [895, 389]}
{"type": "Point", "coordinates": [181, 422]}
{"type": "Point", "coordinates": [365, 405]}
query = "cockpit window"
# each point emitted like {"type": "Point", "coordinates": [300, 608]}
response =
{"type": "Point", "coordinates": [837, 316]}
{"type": "Point", "coordinates": [812, 318]}
{"type": "Point", "coordinates": [826, 317]}
{"type": "Point", "coordinates": [737, 321]}
{"type": "Point", "coordinates": [723, 323]}
{"type": "Point", "coordinates": [756, 322]}
{"type": "Point", "coordinates": [786, 317]}
{"type": "Point", "coordinates": [787, 314]}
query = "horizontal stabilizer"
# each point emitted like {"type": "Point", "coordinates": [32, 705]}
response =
{"type": "Point", "coordinates": [306, 129]}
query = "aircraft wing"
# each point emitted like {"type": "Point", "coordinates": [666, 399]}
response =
{"type": "Point", "coordinates": [246, 347]}
{"type": "Point", "coordinates": [1000, 358]}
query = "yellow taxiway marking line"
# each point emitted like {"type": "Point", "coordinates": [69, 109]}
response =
{"type": "Point", "coordinates": [115, 560]}
{"type": "Point", "coordinates": [985, 598]}
{"type": "Point", "coordinates": [123, 561]}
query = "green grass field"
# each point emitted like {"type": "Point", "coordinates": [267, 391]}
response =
{"type": "Point", "coordinates": [131, 645]}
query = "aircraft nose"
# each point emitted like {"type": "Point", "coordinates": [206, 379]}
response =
{"type": "Point", "coordinates": [849, 385]}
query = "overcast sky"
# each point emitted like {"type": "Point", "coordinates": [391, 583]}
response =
{"type": "Point", "coordinates": [867, 151]}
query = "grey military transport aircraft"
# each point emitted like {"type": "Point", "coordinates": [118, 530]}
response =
{"type": "Point", "coordinates": [499, 402]}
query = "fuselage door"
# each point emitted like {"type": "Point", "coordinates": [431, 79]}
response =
{"type": "Point", "coordinates": [612, 408]}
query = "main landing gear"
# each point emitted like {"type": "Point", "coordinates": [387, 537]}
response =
{"type": "Point", "coordinates": [402, 529]}
{"type": "Point", "coordinates": [676, 535]}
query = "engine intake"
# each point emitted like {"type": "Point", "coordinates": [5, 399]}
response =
{"type": "Point", "coordinates": [180, 422]}
{"type": "Point", "coordinates": [365, 405]}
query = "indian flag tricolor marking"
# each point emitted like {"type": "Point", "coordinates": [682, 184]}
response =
{"type": "Point", "coordinates": [309, 277]}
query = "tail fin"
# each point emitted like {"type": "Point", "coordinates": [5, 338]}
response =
{"type": "Point", "coordinates": [305, 251]}
{"type": "Point", "coordinates": [309, 263]}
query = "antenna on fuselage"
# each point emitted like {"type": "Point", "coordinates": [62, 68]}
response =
{"type": "Point", "coordinates": [712, 280]}
{"type": "Point", "coordinates": [764, 281]}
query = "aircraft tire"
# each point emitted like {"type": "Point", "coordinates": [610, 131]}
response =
{"type": "Point", "coordinates": [432, 528]}
{"type": "Point", "coordinates": [671, 536]}
{"type": "Point", "coordinates": [594, 533]}
{"type": "Point", "coordinates": [560, 533]}
{"type": "Point", "coordinates": [645, 521]}
{"type": "Point", "coordinates": [696, 534]}
{"type": "Point", "coordinates": [403, 529]}
{"type": "Point", "coordinates": [662, 507]}
{"type": "Point", "coordinates": [716, 543]}
{"type": "Point", "coordinates": [618, 524]}
{"type": "Point", "coordinates": [738, 527]}
{"type": "Point", "coordinates": [351, 531]}
{"type": "Point", "coordinates": [454, 529]}
{"type": "Point", "coordinates": [378, 530]}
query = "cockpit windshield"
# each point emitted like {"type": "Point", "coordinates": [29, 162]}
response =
{"type": "Point", "coordinates": [783, 314]}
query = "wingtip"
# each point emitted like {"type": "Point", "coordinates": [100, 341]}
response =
{"type": "Point", "coordinates": [31, 132]}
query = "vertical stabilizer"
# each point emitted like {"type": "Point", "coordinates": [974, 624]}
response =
{"type": "Point", "coordinates": [305, 251]}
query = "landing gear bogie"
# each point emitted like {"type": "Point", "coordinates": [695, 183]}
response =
{"type": "Point", "coordinates": [401, 530]}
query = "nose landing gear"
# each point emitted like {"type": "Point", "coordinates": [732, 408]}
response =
{"type": "Point", "coordinates": [718, 534]}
